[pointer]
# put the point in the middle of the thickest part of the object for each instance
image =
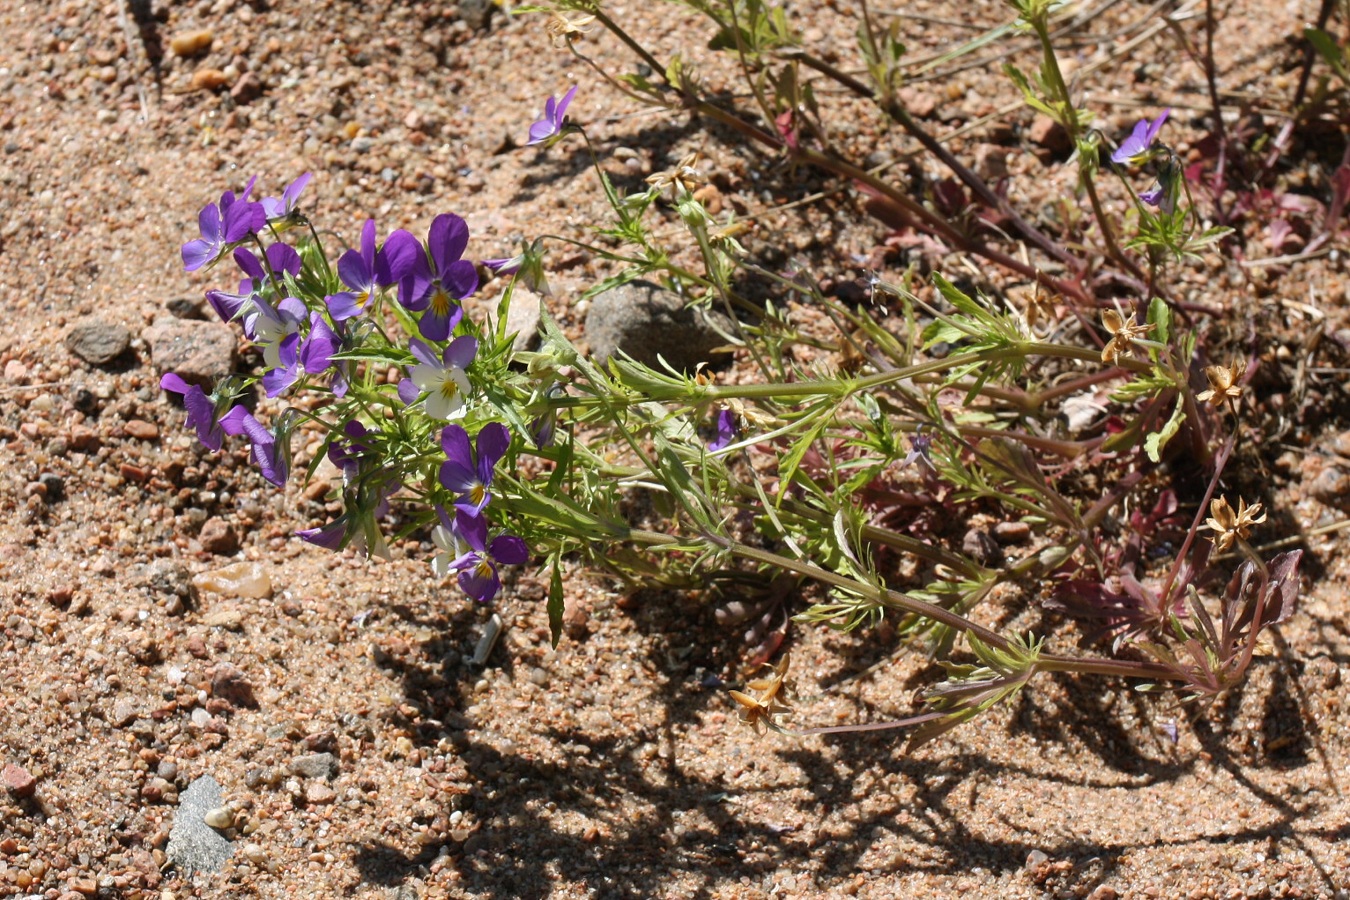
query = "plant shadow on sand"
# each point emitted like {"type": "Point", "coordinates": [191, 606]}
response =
{"type": "Point", "coordinates": [573, 814]}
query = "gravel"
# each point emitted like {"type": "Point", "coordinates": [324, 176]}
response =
{"type": "Point", "coordinates": [160, 627]}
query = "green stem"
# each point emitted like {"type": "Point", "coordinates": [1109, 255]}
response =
{"type": "Point", "coordinates": [897, 600]}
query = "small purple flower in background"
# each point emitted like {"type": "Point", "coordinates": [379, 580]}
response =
{"type": "Point", "coordinates": [367, 269]}
{"type": "Point", "coordinates": [221, 224]}
{"type": "Point", "coordinates": [438, 286]}
{"type": "Point", "coordinates": [201, 410]}
{"type": "Point", "coordinates": [1135, 148]}
{"type": "Point", "coordinates": [544, 427]}
{"type": "Point", "coordinates": [279, 209]}
{"type": "Point", "coordinates": [727, 430]}
{"type": "Point", "coordinates": [464, 475]}
{"type": "Point", "coordinates": [271, 456]}
{"type": "Point", "coordinates": [555, 113]}
{"type": "Point", "coordinates": [1165, 193]}
{"type": "Point", "coordinates": [529, 263]}
{"type": "Point", "coordinates": [442, 379]}
{"type": "Point", "coordinates": [920, 445]}
{"type": "Point", "coordinates": [476, 565]}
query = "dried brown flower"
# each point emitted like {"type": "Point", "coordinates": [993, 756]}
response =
{"type": "Point", "coordinates": [1123, 333]}
{"type": "Point", "coordinates": [1224, 383]}
{"type": "Point", "coordinates": [1040, 307]}
{"type": "Point", "coordinates": [564, 30]}
{"type": "Point", "coordinates": [1228, 526]}
{"type": "Point", "coordinates": [763, 709]}
{"type": "Point", "coordinates": [680, 180]}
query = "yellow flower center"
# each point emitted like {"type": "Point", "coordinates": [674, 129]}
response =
{"type": "Point", "coordinates": [440, 302]}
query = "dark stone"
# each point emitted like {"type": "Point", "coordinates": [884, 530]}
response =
{"type": "Point", "coordinates": [97, 342]}
{"type": "Point", "coordinates": [218, 538]}
{"type": "Point", "coordinates": [55, 486]}
{"type": "Point", "coordinates": [477, 14]}
{"type": "Point", "coordinates": [248, 88]}
{"type": "Point", "coordinates": [230, 684]}
{"type": "Point", "coordinates": [980, 546]}
{"type": "Point", "coordinates": [183, 308]}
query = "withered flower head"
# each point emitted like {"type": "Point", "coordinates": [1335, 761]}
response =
{"type": "Point", "coordinates": [1224, 383]}
{"type": "Point", "coordinates": [1040, 307]}
{"type": "Point", "coordinates": [766, 707]}
{"type": "Point", "coordinates": [1123, 333]}
{"type": "Point", "coordinates": [1228, 526]}
{"type": "Point", "coordinates": [564, 30]}
{"type": "Point", "coordinates": [680, 180]}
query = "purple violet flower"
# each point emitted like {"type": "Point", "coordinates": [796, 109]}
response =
{"type": "Point", "coordinates": [279, 209]}
{"type": "Point", "coordinates": [311, 356]}
{"type": "Point", "coordinates": [201, 410]}
{"type": "Point", "coordinates": [1134, 149]}
{"type": "Point", "coordinates": [347, 455]}
{"type": "Point", "coordinates": [281, 259]}
{"type": "Point", "coordinates": [438, 285]}
{"type": "Point", "coordinates": [367, 269]}
{"type": "Point", "coordinates": [466, 475]}
{"type": "Point", "coordinates": [555, 114]}
{"type": "Point", "coordinates": [271, 456]}
{"type": "Point", "coordinates": [727, 430]}
{"type": "Point", "coordinates": [920, 446]}
{"type": "Point", "coordinates": [354, 528]}
{"type": "Point", "coordinates": [231, 220]}
{"type": "Point", "coordinates": [443, 380]}
{"type": "Point", "coordinates": [329, 536]}
{"type": "Point", "coordinates": [270, 325]}
{"type": "Point", "coordinates": [476, 565]}
{"type": "Point", "coordinates": [528, 266]}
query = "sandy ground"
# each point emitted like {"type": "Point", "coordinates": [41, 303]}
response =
{"type": "Point", "coordinates": [609, 767]}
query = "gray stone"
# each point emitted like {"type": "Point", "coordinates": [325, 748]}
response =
{"type": "Point", "coordinates": [97, 342]}
{"type": "Point", "coordinates": [476, 13]}
{"type": "Point", "coordinates": [1332, 487]}
{"type": "Point", "coordinates": [185, 308]}
{"type": "Point", "coordinates": [645, 320]}
{"type": "Point", "coordinates": [195, 846]}
{"type": "Point", "coordinates": [200, 352]}
{"type": "Point", "coordinates": [980, 546]}
{"type": "Point", "coordinates": [168, 576]}
{"type": "Point", "coordinates": [522, 318]}
{"type": "Point", "coordinates": [314, 765]}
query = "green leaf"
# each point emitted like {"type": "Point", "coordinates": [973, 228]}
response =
{"type": "Point", "coordinates": [1160, 317]}
{"type": "Point", "coordinates": [555, 603]}
{"type": "Point", "coordinates": [787, 468]}
{"type": "Point", "coordinates": [1154, 443]}
{"type": "Point", "coordinates": [1327, 48]}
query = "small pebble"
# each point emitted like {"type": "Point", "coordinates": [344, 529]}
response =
{"type": "Point", "coordinates": [18, 780]}
{"type": "Point", "coordinates": [314, 765]}
{"type": "Point", "coordinates": [208, 80]}
{"type": "Point", "coordinates": [142, 430]}
{"type": "Point", "coordinates": [191, 43]}
{"type": "Point", "coordinates": [242, 579]}
{"type": "Point", "coordinates": [220, 817]}
{"type": "Point", "coordinates": [1012, 532]}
